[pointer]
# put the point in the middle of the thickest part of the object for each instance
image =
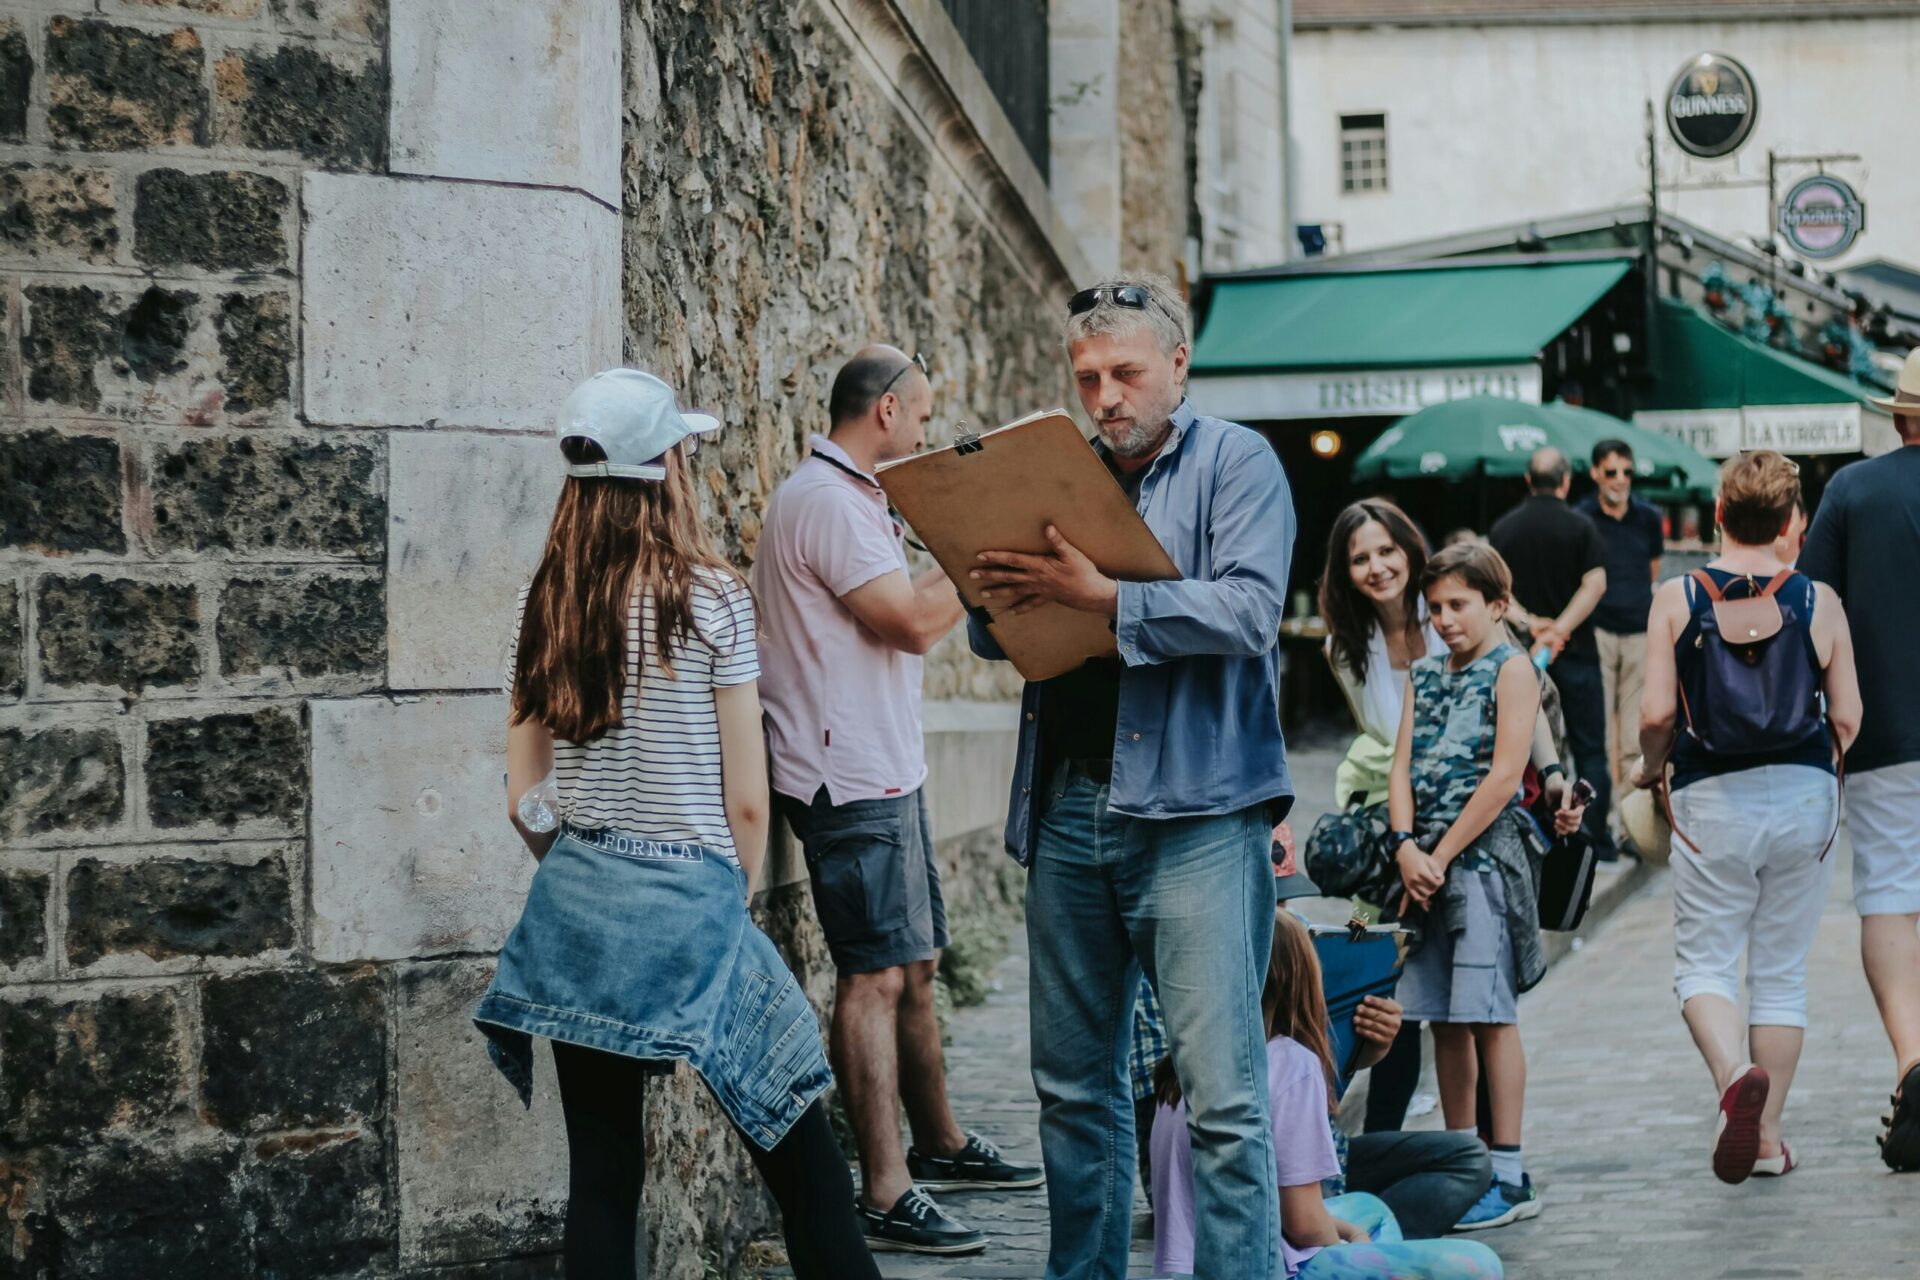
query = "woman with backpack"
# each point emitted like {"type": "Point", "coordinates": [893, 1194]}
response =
{"type": "Point", "coordinates": [632, 681]}
{"type": "Point", "coordinates": [1750, 700]}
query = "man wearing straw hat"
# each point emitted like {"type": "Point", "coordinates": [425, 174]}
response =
{"type": "Point", "coordinates": [1866, 537]}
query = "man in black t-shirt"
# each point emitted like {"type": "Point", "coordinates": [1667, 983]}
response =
{"type": "Point", "coordinates": [1559, 575]}
{"type": "Point", "coordinates": [1634, 536]}
{"type": "Point", "coordinates": [1865, 544]}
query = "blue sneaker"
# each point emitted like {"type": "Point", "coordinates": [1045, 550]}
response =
{"type": "Point", "coordinates": [1503, 1203]}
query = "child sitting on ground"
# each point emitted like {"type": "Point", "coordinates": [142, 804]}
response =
{"type": "Point", "coordinates": [1468, 855]}
{"type": "Point", "coordinates": [1350, 1237]}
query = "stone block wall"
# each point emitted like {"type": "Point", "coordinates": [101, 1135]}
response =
{"type": "Point", "coordinates": [288, 292]}
{"type": "Point", "coordinates": [195, 1078]}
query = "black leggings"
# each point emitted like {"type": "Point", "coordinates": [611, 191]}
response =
{"type": "Point", "coordinates": [603, 1096]}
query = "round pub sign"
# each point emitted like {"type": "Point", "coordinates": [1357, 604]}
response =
{"type": "Point", "coordinates": [1711, 106]}
{"type": "Point", "coordinates": [1822, 217]}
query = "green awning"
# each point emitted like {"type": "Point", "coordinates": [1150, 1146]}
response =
{"type": "Point", "coordinates": [1413, 319]}
{"type": "Point", "coordinates": [1701, 364]}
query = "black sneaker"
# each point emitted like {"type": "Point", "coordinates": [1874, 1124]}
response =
{"type": "Point", "coordinates": [1900, 1144]}
{"type": "Point", "coordinates": [978, 1166]}
{"type": "Point", "coordinates": [915, 1224]}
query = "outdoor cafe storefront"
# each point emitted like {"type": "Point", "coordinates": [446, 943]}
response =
{"type": "Point", "coordinates": [1324, 359]}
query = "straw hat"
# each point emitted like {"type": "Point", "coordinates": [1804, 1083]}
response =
{"type": "Point", "coordinates": [1906, 397]}
{"type": "Point", "coordinates": [1645, 827]}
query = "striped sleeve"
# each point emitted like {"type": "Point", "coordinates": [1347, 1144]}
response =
{"type": "Point", "coordinates": [728, 625]}
{"type": "Point", "coordinates": [512, 662]}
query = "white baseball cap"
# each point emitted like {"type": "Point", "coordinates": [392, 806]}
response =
{"type": "Point", "coordinates": [634, 419]}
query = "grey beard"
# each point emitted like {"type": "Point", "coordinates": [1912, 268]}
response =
{"type": "Point", "coordinates": [1138, 440]}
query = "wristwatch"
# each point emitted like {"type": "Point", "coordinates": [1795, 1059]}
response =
{"type": "Point", "coordinates": [1399, 837]}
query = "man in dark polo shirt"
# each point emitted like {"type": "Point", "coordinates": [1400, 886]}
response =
{"type": "Point", "coordinates": [1865, 544]}
{"type": "Point", "coordinates": [1559, 575]}
{"type": "Point", "coordinates": [1635, 536]}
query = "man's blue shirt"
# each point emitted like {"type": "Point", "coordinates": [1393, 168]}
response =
{"type": "Point", "coordinates": [1199, 725]}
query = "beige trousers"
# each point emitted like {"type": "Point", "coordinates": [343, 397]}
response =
{"type": "Point", "coordinates": [1623, 667]}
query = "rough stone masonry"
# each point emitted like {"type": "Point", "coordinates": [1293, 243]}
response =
{"type": "Point", "coordinates": [287, 290]}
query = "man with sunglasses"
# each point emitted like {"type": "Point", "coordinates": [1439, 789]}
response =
{"type": "Point", "coordinates": [1634, 537]}
{"type": "Point", "coordinates": [1145, 789]}
{"type": "Point", "coordinates": [844, 625]}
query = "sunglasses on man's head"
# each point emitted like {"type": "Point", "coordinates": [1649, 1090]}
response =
{"type": "Point", "coordinates": [919, 360]}
{"type": "Point", "coordinates": [1134, 296]}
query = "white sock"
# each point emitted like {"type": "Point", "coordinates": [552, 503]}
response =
{"type": "Point", "coordinates": [1507, 1167]}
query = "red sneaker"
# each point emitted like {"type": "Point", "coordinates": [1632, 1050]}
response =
{"type": "Point", "coordinates": [1736, 1134]}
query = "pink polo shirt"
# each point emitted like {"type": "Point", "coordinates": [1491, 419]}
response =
{"type": "Point", "coordinates": [843, 707]}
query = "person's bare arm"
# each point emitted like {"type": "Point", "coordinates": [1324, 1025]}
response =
{"type": "Point", "coordinates": [909, 614]}
{"type": "Point", "coordinates": [1516, 704]}
{"type": "Point", "coordinates": [529, 761]}
{"type": "Point", "coordinates": [1306, 1222]}
{"type": "Point", "coordinates": [1831, 632]}
{"type": "Point", "coordinates": [743, 774]}
{"type": "Point", "coordinates": [1660, 687]}
{"type": "Point", "coordinates": [1418, 871]}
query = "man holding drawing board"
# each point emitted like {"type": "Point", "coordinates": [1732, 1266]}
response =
{"type": "Point", "coordinates": [1144, 793]}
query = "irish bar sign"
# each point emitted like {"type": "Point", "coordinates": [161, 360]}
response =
{"type": "Point", "coordinates": [1711, 106]}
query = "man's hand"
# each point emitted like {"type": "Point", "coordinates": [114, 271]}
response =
{"type": "Point", "coordinates": [1545, 632]}
{"type": "Point", "coordinates": [1377, 1020]}
{"type": "Point", "coordinates": [1017, 582]}
{"type": "Point", "coordinates": [1567, 819]}
{"type": "Point", "coordinates": [1644, 776]}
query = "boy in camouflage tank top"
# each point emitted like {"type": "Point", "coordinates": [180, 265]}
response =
{"type": "Point", "coordinates": [1464, 740]}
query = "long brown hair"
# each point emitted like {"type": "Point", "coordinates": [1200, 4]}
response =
{"type": "Point", "coordinates": [610, 537]}
{"type": "Point", "coordinates": [1350, 615]}
{"type": "Point", "coordinates": [1292, 1004]}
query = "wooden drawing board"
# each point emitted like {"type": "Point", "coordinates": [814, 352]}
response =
{"type": "Point", "coordinates": [999, 492]}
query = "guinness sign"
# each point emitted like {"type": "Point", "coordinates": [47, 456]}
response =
{"type": "Point", "coordinates": [1711, 106]}
{"type": "Point", "coordinates": [1822, 217]}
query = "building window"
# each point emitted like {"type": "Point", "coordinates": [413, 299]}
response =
{"type": "Point", "coordinates": [1363, 152]}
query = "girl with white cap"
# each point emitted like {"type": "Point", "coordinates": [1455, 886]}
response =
{"type": "Point", "coordinates": [632, 682]}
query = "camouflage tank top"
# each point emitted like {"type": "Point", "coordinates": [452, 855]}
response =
{"type": "Point", "coordinates": [1453, 722]}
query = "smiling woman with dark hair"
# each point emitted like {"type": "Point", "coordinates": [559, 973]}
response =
{"type": "Point", "coordinates": [1370, 597]}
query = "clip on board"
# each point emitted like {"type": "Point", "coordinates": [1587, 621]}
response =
{"type": "Point", "coordinates": [999, 492]}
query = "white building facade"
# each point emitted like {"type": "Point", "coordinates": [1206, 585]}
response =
{"type": "Point", "coordinates": [1240, 162]}
{"type": "Point", "coordinates": [1413, 119]}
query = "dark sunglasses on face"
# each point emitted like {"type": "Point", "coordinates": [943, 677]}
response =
{"type": "Point", "coordinates": [1134, 296]}
{"type": "Point", "coordinates": [919, 360]}
{"type": "Point", "coordinates": [1614, 473]}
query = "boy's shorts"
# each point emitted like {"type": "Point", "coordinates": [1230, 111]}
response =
{"type": "Point", "coordinates": [1465, 977]}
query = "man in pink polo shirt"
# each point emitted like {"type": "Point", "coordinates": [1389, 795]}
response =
{"type": "Point", "coordinates": [844, 625]}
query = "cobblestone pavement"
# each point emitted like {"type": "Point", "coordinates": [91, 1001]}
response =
{"type": "Point", "coordinates": [1618, 1124]}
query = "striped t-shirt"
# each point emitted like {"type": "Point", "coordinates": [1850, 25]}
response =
{"type": "Point", "coordinates": [657, 773]}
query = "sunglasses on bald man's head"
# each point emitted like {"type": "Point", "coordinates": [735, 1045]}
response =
{"type": "Point", "coordinates": [1133, 296]}
{"type": "Point", "coordinates": [917, 359]}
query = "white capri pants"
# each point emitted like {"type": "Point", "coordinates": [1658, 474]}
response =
{"type": "Point", "coordinates": [1757, 885]}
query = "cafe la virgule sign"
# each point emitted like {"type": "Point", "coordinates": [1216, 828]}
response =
{"type": "Point", "coordinates": [1712, 106]}
{"type": "Point", "coordinates": [1822, 216]}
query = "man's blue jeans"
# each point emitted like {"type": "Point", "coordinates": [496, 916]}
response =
{"type": "Point", "coordinates": [1191, 900]}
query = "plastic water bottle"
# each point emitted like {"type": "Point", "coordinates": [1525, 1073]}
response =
{"type": "Point", "coordinates": [1542, 657]}
{"type": "Point", "coordinates": [539, 808]}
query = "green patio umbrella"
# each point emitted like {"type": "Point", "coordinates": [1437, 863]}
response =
{"type": "Point", "coordinates": [1490, 436]}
